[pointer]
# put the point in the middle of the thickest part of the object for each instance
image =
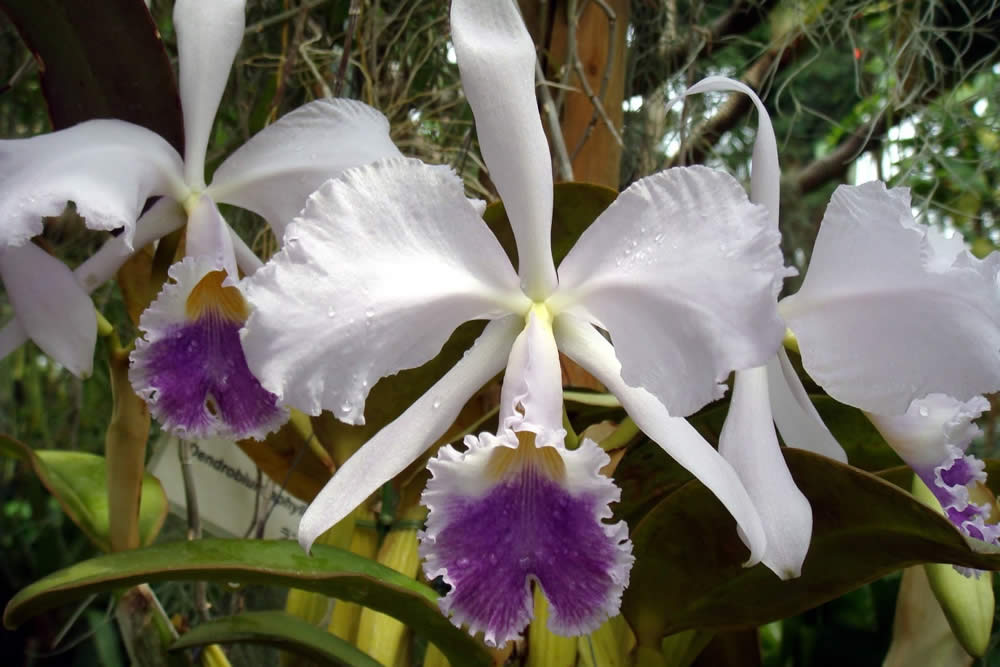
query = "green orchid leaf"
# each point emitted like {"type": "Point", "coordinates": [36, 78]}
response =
{"type": "Point", "coordinates": [276, 628]}
{"type": "Point", "coordinates": [79, 47]}
{"type": "Point", "coordinates": [78, 481]}
{"type": "Point", "coordinates": [689, 574]}
{"type": "Point", "coordinates": [332, 572]}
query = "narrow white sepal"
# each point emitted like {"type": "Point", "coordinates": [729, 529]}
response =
{"type": "Point", "coordinates": [765, 174]}
{"type": "Point", "coordinates": [209, 33]}
{"type": "Point", "coordinates": [798, 421]}
{"type": "Point", "coordinates": [51, 307]}
{"type": "Point", "coordinates": [496, 58]}
{"type": "Point", "coordinates": [582, 343]}
{"type": "Point", "coordinates": [749, 443]}
{"type": "Point", "coordinates": [275, 172]}
{"type": "Point", "coordinates": [402, 441]}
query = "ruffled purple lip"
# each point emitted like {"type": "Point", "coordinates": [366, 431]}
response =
{"type": "Point", "coordinates": [200, 377]}
{"type": "Point", "coordinates": [950, 482]}
{"type": "Point", "coordinates": [526, 528]}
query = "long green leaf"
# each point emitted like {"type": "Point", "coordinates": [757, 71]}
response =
{"type": "Point", "coordinates": [689, 574]}
{"type": "Point", "coordinates": [78, 481]}
{"type": "Point", "coordinates": [276, 628]}
{"type": "Point", "coordinates": [329, 571]}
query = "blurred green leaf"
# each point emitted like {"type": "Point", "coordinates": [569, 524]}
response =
{"type": "Point", "coordinates": [329, 571]}
{"type": "Point", "coordinates": [688, 552]}
{"type": "Point", "coordinates": [276, 628]}
{"type": "Point", "coordinates": [79, 482]}
{"type": "Point", "coordinates": [100, 60]}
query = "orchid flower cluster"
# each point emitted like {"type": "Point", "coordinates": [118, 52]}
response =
{"type": "Point", "coordinates": [669, 291]}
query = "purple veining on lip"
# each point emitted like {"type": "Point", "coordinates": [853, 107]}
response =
{"type": "Point", "coordinates": [527, 527]}
{"type": "Point", "coordinates": [200, 377]}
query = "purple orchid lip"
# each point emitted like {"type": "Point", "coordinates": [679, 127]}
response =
{"type": "Point", "coordinates": [191, 368]}
{"type": "Point", "coordinates": [954, 483]}
{"type": "Point", "coordinates": [503, 518]}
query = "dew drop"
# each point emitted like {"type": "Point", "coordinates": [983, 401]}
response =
{"type": "Point", "coordinates": [370, 313]}
{"type": "Point", "coordinates": [436, 404]}
{"type": "Point", "coordinates": [924, 412]}
{"type": "Point", "coordinates": [345, 407]}
{"type": "Point", "coordinates": [331, 312]}
{"type": "Point", "coordinates": [523, 561]}
{"type": "Point", "coordinates": [658, 238]}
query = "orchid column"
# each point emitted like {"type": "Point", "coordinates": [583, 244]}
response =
{"type": "Point", "coordinates": [386, 260]}
{"type": "Point", "coordinates": [190, 366]}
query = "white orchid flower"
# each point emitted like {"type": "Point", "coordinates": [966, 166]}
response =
{"type": "Point", "coordinates": [897, 320]}
{"type": "Point", "coordinates": [190, 366]}
{"type": "Point", "coordinates": [388, 259]}
{"type": "Point", "coordinates": [890, 318]}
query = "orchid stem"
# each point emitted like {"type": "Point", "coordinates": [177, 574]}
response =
{"type": "Point", "coordinates": [626, 431]}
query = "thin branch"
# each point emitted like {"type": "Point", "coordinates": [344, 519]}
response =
{"type": "Point", "coordinates": [564, 166]}
{"type": "Point", "coordinates": [281, 17]}
{"type": "Point", "coordinates": [194, 521]}
{"type": "Point", "coordinates": [352, 22]}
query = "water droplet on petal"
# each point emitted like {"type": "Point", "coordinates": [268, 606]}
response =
{"type": "Point", "coordinates": [436, 404]}
{"type": "Point", "coordinates": [331, 312]}
{"type": "Point", "coordinates": [924, 411]}
{"type": "Point", "coordinates": [345, 407]}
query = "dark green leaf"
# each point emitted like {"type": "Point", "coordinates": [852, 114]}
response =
{"type": "Point", "coordinates": [100, 60]}
{"type": "Point", "coordinates": [329, 571]}
{"type": "Point", "coordinates": [689, 574]}
{"type": "Point", "coordinates": [276, 628]}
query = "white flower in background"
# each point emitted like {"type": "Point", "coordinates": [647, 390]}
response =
{"type": "Point", "coordinates": [388, 259]}
{"type": "Point", "coordinates": [190, 366]}
{"type": "Point", "coordinates": [895, 319]}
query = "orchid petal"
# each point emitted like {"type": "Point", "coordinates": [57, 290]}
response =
{"type": "Point", "coordinates": [584, 345]}
{"type": "Point", "coordinates": [384, 263]}
{"type": "Point", "coordinates": [162, 218]}
{"type": "Point", "coordinates": [765, 174]}
{"type": "Point", "coordinates": [680, 271]}
{"type": "Point", "coordinates": [208, 237]}
{"type": "Point", "coordinates": [398, 444]}
{"type": "Point", "coordinates": [932, 437]}
{"type": "Point", "coordinates": [496, 58]}
{"type": "Point", "coordinates": [795, 415]}
{"type": "Point", "coordinates": [208, 37]}
{"type": "Point", "coordinates": [50, 306]}
{"type": "Point", "coordinates": [531, 397]}
{"type": "Point", "coordinates": [881, 319]}
{"type": "Point", "coordinates": [510, 510]}
{"type": "Point", "coordinates": [108, 168]}
{"type": "Point", "coordinates": [189, 366]}
{"type": "Point", "coordinates": [749, 443]}
{"type": "Point", "coordinates": [275, 172]}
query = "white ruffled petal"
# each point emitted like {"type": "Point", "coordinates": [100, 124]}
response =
{"type": "Point", "coordinates": [882, 318]}
{"type": "Point", "coordinates": [403, 440]}
{"type": "Point", "coordinates": [749, 443]}
{"type": "Point", "coordinates": [383, 265]}
{"type": "Point", "coordinates": [275, 172]}
{"type": "Point", "coordinates": [798, 421]}
{"type": "Point", "coordinates": [107, 167]}
{"type": "Point", "coordinates": [582, 343]}
{"type": "Point", "coordinates": [208, 36]}
{"type": "Point", "coordinates": [50, 306]}
{"type": "Point", "coordinates": [680, 271]}
{"type": "Point", "coordinates": [496, 58]}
